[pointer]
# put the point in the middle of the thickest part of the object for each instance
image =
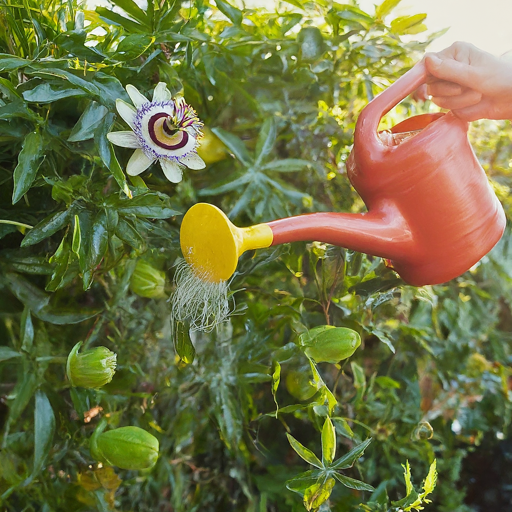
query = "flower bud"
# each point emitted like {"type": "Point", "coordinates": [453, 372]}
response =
{"type": "Point", "coordinates": [147, 281]}
{"type": "Point", "coordinates": [124, 447]}
{"type": "Point", "coordinates": [330, 344]}
{"type": "Point", "coordinates": [91, 368]}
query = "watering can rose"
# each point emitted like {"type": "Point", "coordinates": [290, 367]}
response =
{"type": "Point", "coordinates": [329, 344]}
{"type": "Point", "coordinates": [91, 368]}
{"type": "Point", "coordinates": [125, 447]}
{"type": "Point", "coordinates": [147, 281]}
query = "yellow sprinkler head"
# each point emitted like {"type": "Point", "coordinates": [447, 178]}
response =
{"type": "Point", "coordinates": [211, 243]}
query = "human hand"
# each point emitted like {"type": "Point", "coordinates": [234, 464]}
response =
{"type": "Point", "coordinates": [472, 83]}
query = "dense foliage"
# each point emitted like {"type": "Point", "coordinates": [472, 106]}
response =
{"type": "Point", "coordinates": [84, 253]}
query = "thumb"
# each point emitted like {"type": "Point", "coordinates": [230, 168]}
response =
{"type": "Point", "coordinates": [451, 70]}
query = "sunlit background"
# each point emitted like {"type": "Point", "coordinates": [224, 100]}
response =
{"type": "Point", "coordinates": [485, 23]}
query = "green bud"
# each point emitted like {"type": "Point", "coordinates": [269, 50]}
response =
{"type": "Point", "coordinates": [124, 447]}
{"type": "Point", "coordinates": [147, 281]}
{"type": "Point", "coordinates": [91, 368]}
{"type": "Point", "coordinates": [330, 344]}
{"type": "Point", "coordinates": [423, 431]}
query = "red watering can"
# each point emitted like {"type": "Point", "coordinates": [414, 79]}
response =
{"type": "Point", "coordinates": [431, 210]}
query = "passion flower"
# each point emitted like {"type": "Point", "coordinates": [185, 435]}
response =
{"type": "Point", "coordinates": [165, 129]}
{"type": "Point", "coordinates": [91, 368]}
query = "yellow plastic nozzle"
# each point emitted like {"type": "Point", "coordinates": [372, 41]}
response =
{"type": "Point", "coordinates": [212, 244]}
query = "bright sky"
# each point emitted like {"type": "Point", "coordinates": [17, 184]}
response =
{"type": "Point", "coordinates": [485, 23]}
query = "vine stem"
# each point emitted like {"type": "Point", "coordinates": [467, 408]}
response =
{"type": "Point", "coordinates": [14, 223]}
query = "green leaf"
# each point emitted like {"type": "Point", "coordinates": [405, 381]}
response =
{"type": "Point", "coordinates": [97, 242]}
{"type": "Point", "coordinates": [328, 441]}
{"type": "Point", "coordinates": [107, 154]}
{"type": "Point", "coordinates": [408, 502]}
{"type": "Point", "coordinates": [348, 460]}
{"type": "Point", "coordinates": [431, 480]}
{"type": "Point", "coordinates": [7, 353]}
{"type": "Point", "coordinates": [66, 76]}
{"type": "Point", "coordinates": [26, 330]}
{"type": "Point", "coordinates": [44, 429]}
{"type": "Point", "coordinates": [183, 344]}
{"type": "Point", "coordinates": [117, 19]}
{"type": "Point", "coordinates": [402, 24]}
{"type": "Point", "coordinates": [286, 165]}
{"type": "Point", "coordinates": [126, 231]}
{"type": "Point", "coordinates": [234, 14]}
{"type": "Point", "coordinates": [301, 482]}
{"type": "Point", "coordinates": [385, 8]}
{"type": "Point", "coordinates": [133, 46]}
{"type": "Point", "coordinates": [61, 260]}
{"type": "Point", "coordinates": [276, 379]}
{"type": "Point", "coordinates": [151, 205]}
{"type": "Point", "coordinates": [77, 236]}
{"type": "Point", "coordinates": [9, 62]}
{"type": "Point", "coordinates": [351, 483]}
{"type": "Point", "coordinates": [134, 11]}
{"type": "Point", "coordinates": [350, 13]}
{"type": "Point", "coordinates": [311, 42]}
{"type": "Point", "coordinates": [235, 145]}
{"type": "Point", "coordinates": [266, 140]}
{"type": "Point", "coordinates": [230, 183]}
{"type": "Point", "coordinates": [29, 160]}
{"type": "Point", "coordinates": [23, 392]}
{"type": "Point", "coordinates": [62, 316]}
{"type": "Point", "coordinates": [342, 427]}
{"type": "Point", "coordinates": [46, 228]}
{"type": "Point", "coordinates": [303, 452]}
{"type": "Point", "coordinates": [17, 109]}
{"type": "Point", "coordinates": [318, 494]}
{"type": "Point", "coordinates": [89, 121]}
{"type": "Point", "coordinates": [49, 92]}
{"type": "Point", "coordinates": [26, 292]}
{"type": "Point", "coordinates": [359, 377]}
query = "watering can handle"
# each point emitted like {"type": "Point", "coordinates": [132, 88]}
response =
{"type": "Point", "coordinates": [369, 119]}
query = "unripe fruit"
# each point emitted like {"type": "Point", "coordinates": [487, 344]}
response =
{"type": "Point", "coordinates": [147, 281]}
{"type": "Point", "coordinates": [91, 368]}
{"type": "Point", "coordinates": [211, 149]}
{"type": "Point", "coordinates": [124, 447]}
{"type": "Point", "coordinates": [298, 384]}
{"type": "Point", "coordinates": [330, 344]}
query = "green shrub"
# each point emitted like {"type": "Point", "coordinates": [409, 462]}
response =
{"type": "Point", "coordinates": [281, 91]}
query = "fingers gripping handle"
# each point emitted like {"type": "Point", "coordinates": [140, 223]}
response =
{"type": "Point", "coordinates": [366, 136]}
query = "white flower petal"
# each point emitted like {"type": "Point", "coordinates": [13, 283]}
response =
{"type": "Point", "coordinates": [137, 98]}
{"type": "Point", "coordinates": [138, 163]}
{"type": "Point", "coordinates": [126, 111]}
{"type": "Point", "coordinates": [192, 161]}
{"type": "Point", "coordinates": [161, 92]}
{"type": "Point", "coordinates": [123, 139]}
{"type": "Point", "coordinates": [173, 172]}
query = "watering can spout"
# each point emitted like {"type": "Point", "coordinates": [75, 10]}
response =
{"type": "Point", "coordinates": [382, 232]}
{"type": "Point", "coordinates": [211, 244]}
